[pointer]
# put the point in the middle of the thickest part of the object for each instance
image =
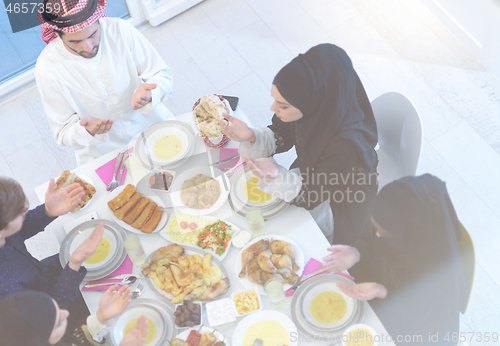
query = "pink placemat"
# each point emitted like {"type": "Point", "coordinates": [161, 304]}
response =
{"type": "Point", "coordinates": [311, 267]}
{"type": "Point", "coordinates": [105, 172]}
{"type": "Point", "coordinates": [125, 268]}
{"type": "Point", "coordinates": [226, 153]}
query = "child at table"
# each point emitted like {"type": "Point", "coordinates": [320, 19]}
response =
{"type": "Point", "coordinates": [35, 319]}
{"type": "Point", "coordinates": [411, 260]}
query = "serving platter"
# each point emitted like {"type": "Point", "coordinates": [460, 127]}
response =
{"type": "Point", "coordinates": [242, 206]}
{"type": "Point", "coordinates": [145, 193]}
{"type": "Point", "coordinates": [176, 188]}
{"type": "Point", "coordinates": [159, 311]}
{"type": "Point", "coordinates": [297, 251]}
{"type": "Point", "coordinates": [165, 296]}
{"type": "Point", "coordinates": [78, 234]}
{"type": "Point", "coordinates": [331, 336]}
{"type": "Point", "coordinates": [146, 155]}
{"type": "Point", "coordinates": [210, 219]}
{"type": "Point", "coordinates": [265, 315]}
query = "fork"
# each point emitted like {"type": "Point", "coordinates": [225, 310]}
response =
{"type": "Point", "coordinates": [114, 184]}
{"type": "Point", "coordinates": [136, 294]}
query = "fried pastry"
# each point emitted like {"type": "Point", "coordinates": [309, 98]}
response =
{"type": "Point", "coordinates": [120, 213]}
{"type": "Point", "coordinates": [145, 215]}
{"type": "Point", "coordinates": [67, 178]}
{"type": "Point", "coordinates": [153, 221]}
{"type": "Point", "coordinates": [136, 210]}
{"type": "Point", "coordinates": [124, 196]}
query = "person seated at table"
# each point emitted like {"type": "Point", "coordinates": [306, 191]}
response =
{"type": "Point", "coordinates": [19, 271]}
{"type": "Point", "coordinates": [411, 260]}
{"type": "Point", "coordinates": [32, 318]}
{"type": "Point", "coordinates": [321, 108]}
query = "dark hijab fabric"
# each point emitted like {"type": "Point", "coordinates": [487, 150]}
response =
{"type": "Point", "coordinates": [323, 85]}
{"type": "Point", "coordinates": [418, 261]}
{"type": "Point", "coordinates": [26, 318]}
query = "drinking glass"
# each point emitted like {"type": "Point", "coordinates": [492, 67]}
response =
{"type": "Point", "coordinates": [256, 223]}
{"type": "Point", "coordinates": [275, 293]}
{"type": "Point", "coordinates": [135, 250]}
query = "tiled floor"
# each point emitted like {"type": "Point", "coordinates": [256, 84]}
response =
{"type": "Point", "coordinates": [235, 47]}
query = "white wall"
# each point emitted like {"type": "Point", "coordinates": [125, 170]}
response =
{"type": "Point", "coordinates": [476, 23]}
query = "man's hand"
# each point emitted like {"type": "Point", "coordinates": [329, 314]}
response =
{"type": "Point", "coordinates": [142, 95]}
{"type": "Point", "coordinates": [137, 335]}
{"type": "Point", "coordinates": [96, 126]}
{"type": "Point", "coordinates": [262, 169]}
{"type": "Point", "coordinates": [87, 248]}
{"type": "Point", "coordinates": [64, 200]}
{"type": "Point", "coordinates": [364, 291]}
{"type": "Point", "coordinates": [343, 257]}
{"type": "Point", "coordinates": [113, 304]}
{"type": "Point", "coordinates": [238, 131]}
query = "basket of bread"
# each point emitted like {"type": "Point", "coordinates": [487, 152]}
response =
{"type": "Point", "coordinates": [208, 112]}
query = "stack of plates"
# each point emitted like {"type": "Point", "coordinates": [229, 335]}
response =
{"type": "Point", "coordinates": [308, 326]}
{"type": "Point", "coordinates": [147, 139]}
{"type": "Point", "coordinates": [111, 260]}
{"type": "Point", "coordinates": [242, 205]}
{"type": "Point", "coordinates": [158, 313]}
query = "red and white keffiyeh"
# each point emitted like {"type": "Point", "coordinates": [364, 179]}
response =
{"type": "Point", "coordinates": [67, 8]}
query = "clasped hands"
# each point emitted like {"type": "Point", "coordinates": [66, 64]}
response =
{"type": "Point", "coordinates": [343, 257]}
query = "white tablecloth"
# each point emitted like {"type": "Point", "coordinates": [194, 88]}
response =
{"type": "Point", "coordinates": [295, 223]}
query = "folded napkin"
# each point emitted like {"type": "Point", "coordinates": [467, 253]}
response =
{"type": "Point", "coordinates": [125, 268]}
{"type": "Point", "coordinates": [105, 172]}
{"type": "Point", "coordinates": [312, 266]}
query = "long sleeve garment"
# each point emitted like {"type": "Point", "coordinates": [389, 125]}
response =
{"type": "Point", "coordinates": [73, 87]}
{"type": "Point", "coordinates": [19, 271]}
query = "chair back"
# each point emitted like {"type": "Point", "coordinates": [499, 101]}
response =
{"type": "Point", "coordinates": [400, 136]}
{"type": "Point", "coordinates": [468, 255]}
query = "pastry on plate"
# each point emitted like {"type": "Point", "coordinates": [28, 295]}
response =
{"type": "Point", "coordinates": [68, 178]}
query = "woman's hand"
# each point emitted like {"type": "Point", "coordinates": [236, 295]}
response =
{"type": "Point", "coordinates": [263, 169]}
{"type": "Point", "coordinates": [364, 291]}
{"type": "Point", "coordinates": [238, 131]}
{"type": "Point", "coordinates": [62, 201]}
{"type": "Point", "coordinates": [343, 257]}
{"type": "Point", "coordinates": [137, 335]}
{"type": "Point", "coordinates": [113, 304]}
{"type": "Point", "coordinates": [87, 248]}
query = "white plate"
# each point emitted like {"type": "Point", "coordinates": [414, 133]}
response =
{"type": "Point", "coordinates": [239, 192]}
{"type": "Point", "coordinates": [175, 190]}
{"type": "Point", "coordinates": [188, 251]}
{"type": "Point", "coordinates": [372, 331]}
{"type": "Point", "coordinates": [168, 131]}
{"type": "Point", "coordinates": [135, 311]}
{"type": "Point", "coordinates": [145, 193]}
{"type": "Point", "coordinates": [87, 180]}
{"type": "Point", "coordinates": [327, 286]}
{"type": "Point", "coordinates": [218, 335]}
{"type": "Point", "coordinates": [299, 260]}
{"type": "Point", "coordinates": [211, 219]}
{"type": "Point", "coordinates": [266, 315]}
{"type": "Point", "coordinates": [80, 238]}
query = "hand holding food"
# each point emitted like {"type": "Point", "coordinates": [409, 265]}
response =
{"type": "Point", "coordinates": [137, 335]}
{"type": "Point", "coordinates": [96, 126]}
{"type": "Point", "coordinates": [238, 131]}
{"type": "Point", "coordinates": [363, 291]}
{"type": "Point", "coordinates": [113, 303]}
{"type": "Point", "coordinates": [342, 257]}
{"type": "Point", "coordinates": [263, 169]}
{"type": "Point", "coordinates": [142, 95]}
{"type": "Point", "coordinates": [86, 248]}
{"type": "Point", "coordinates": [67, 179]}
{"type": "Point", "coordinates": [63, 201]}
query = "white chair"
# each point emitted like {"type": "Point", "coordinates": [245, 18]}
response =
{"type": "Point", "coordinates": [400, 136]}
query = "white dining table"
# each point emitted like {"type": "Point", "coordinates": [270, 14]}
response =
{"type": "Point", "coordinates": [295, 223]}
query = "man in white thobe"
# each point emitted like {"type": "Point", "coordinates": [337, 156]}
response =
{"type": "Point", "coordinates": [100, 80]}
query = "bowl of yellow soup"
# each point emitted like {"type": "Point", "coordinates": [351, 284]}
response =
{"type": "Point", "coordinates": [157, 329]}
{"type": "Point", "coordinates": [248, 192]}
{"type": "Point", "coordinates": [106, 250]}
{"type": "Point", "coordinates": [360, 335]}
{"type": "Point", "coordinates": [326, 307]}
{"type": "Point", "coordinates": [167, 145]}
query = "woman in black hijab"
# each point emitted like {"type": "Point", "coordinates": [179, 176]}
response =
{"type": "Point", "coordinates": [322, 109]}
{"type": "Point", "coordinates": [412, 260]}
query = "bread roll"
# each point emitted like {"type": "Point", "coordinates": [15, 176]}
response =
{"type": "Point", "coordinates": [124, 196]}
{"type": "Point", "coordinates": [145, 215]}
{"type": "Point", "coordinates": [136, 210]}
{"type": "Point", "coordinates": [120, 213]}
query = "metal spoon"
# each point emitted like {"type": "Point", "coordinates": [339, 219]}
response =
{"type": "Point", "coordinates": [126, 281]}
{"type": "Point", "coordinates": [257, 342]}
